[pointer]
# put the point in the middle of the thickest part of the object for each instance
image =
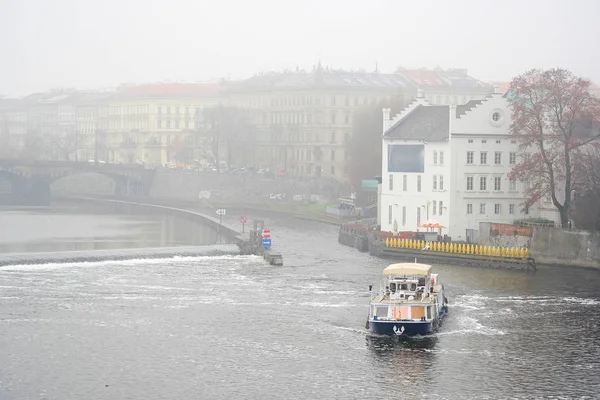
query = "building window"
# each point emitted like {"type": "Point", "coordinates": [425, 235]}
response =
{"type": "Point", "coordinates": [482, 208]}
{"type": "Point", "coordinates": [483, 183]}
{"type": "Point", "coordinates": [434, 208]}
{"type": "Point", "coordinates": [470, 157]}
{"type": "Point", "coordinates": [470, 141]}
{"type": "Point", "coordinates": [434, 182]}
{"type": "Point", "coordinates": [484, 141]}
{"type": "Point", "coordinates": [159, 124]}
{"type": "Point", "coordinates": [497, 158]}
{"type": "Point", "coordinates": [435, 157]}
{"type": "Point", "coordinates": [512, 185]}
{"type": "Point", "coordinates": [404, 182]}
{"type": "Point", "coordinates": [511, 208]}
{"type": "Point", "coordinates": [159, 110]}
{"type": "Point", "coordinates": [441, 182]}
{"type": "Point", "coordinates": [512, 158]}
{"type": "Point", "coordinates": [332, 170]}
{"type": "Point", "coordinates": [513, 142]}
{"type": "Point", "coordinates": [168, 110]}
{"type": "Point", "coordinates": [441, 207]}
{"type": "Point", "coordinates": [332, 155]}
{"type": "Point", "coordinates": [403, 215]}
{"type": "Point", "coordinates": [187, 110]}
{"type": "Point", "coordinates": [497, 183]}
{"type": "Point", "coordinates": [168, 124]}
{"type": "Point", "coordinates": [391, 182]}
{"type": "Point", "coordinates": [441, 158]}
{"type": "Point", "coordinates": [332, 137]}
{"type": "Point", "coordinates": [469, 183]}
{"type": "Point", "coordinates": [496, 208]}
{"type": "Point", "coordinates": [418, 183]}
{"type": "Point", "coordinates": [418, 215]}
{"type": "Point", "coordinates": [483, 157]}
{"type": "Point", "coordinates": [333, 100]}
{"type": "Point", "coordinates": [469, 208]}
{"type": "Point", "coordinates": [390, 215]}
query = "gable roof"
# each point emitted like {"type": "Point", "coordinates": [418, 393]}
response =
{"type": "Point", "coordinates": [423, 123]}
{"type": "Point", "coordinates": [463, 108]}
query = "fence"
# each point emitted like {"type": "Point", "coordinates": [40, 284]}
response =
{"type": "Point", "coordinates": [495, 251]}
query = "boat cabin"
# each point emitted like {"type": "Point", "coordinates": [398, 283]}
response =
{"type": "Point", "coordinates": [408, 292]}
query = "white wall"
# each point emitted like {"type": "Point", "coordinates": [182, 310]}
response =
{"type": "Point", "coordinates": [411, 199]}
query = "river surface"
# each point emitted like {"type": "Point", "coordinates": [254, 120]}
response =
{"type": "Point", "coordinates": [233, 327]}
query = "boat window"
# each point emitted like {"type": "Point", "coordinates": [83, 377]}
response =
{"type": "Point", "coordinates": [393, 287]}
{"type": "Point", "coordinates": [403, 286]}
{"type": "Point", "coordinates": [428, 312]}
{"type": "Point", "coordinates": [382, 312]}
{"type": "Point", "coordinates": [413, 287]}
{"type": "Point", "coordinates": [421, 281]}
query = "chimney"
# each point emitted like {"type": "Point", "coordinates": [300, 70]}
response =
{"type": "Point", "coordinates": [419, 93]}
{"type": "Point", "coordinates": [386, 119]}
{"type": "Point", "coordinates": [496, 89]}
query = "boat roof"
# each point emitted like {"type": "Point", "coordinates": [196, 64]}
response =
{"type": "Point", "coordinates": [408, 269]}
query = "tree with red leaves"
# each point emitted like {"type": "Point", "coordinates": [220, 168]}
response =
{"type": "Point", "coordinates": [555, 118]}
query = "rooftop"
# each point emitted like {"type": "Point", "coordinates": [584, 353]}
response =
{"type": "Point", "coordinates": [423, 123]}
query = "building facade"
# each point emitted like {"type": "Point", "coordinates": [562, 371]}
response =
{"type": "Point", "coordinates": [450, 164]}
{"type": "Point", "coordinates": [156, 124]}
{"type": "Point", "coordinates": [305, 119]}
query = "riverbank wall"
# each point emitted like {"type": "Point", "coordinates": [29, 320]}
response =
{"type": "Point", "coordinates": [548, 246]}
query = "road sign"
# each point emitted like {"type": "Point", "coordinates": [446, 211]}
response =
{"type": "Point", "coordinates": [221, 211]}
{"type": "Point", "coordinates": [243, 219]}
{"type": "Point", "coordinates": [266, 233]}
{"type": "Point", "coordinates": [266, 242]}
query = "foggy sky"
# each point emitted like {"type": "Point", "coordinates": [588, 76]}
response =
{"type": "Point", "coordinates": [100, 43]}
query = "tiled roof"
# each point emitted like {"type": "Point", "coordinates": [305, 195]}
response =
{"type": "Point", "coordinates": [320, 78]}
{"type": "Point", "coordinates": [170, 90]}
{"type": "Point", "coordinates": [463, 108]}
{"type": "Point", "coordinates": [455, 78]}
{"type": "Point", "coordinates": [423, 123]}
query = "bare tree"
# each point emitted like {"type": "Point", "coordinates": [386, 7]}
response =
{"type": "Point", "coordinates": [225, 128]}
{"type": "Point", "coordinates": [550, 111]}
{"type": "Point", "coordinates": [586, 213]}
{"type": "Point", "coordinates": [67, 144]}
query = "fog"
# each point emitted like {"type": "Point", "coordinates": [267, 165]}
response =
{"type": "Point", "coordinates": [95, 44]}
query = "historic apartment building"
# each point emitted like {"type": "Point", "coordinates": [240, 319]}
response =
{"type": "Point", "coordinates": [152, 124]}
{"type": "Point", "coordinates": [304, 119]}
{"type": "Point", "coordinates": [450, 164]}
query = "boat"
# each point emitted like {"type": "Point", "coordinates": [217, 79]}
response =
{"type": "Point", "coordinates": [410, 301]}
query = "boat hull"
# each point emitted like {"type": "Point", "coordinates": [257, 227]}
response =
{"type": "Point", "coordinates": [406, 328]}
{"type": "Point", "coordinates": [401, 328]}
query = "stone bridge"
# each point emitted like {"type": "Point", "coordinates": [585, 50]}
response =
{"type": "Point", "coordinates": [28, 183]}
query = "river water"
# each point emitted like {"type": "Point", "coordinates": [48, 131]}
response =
{"type": "Point", "coordinates": [233, 327]}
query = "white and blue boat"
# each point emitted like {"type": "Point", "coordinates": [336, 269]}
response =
{"type": "Point", "coordinates": [410, 301]}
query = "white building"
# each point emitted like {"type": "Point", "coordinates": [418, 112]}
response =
{"type": "Point", "coordinates": [449, 164]}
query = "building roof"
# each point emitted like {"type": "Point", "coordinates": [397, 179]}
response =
{"type": "Point", "coordinates": [320, 77]}
{"type": "Point", "coordinates": [463, 108]}
{"type": "Point", "coordinates": [169, 90]}
{"type": "Point", "coordinates": [408, 269]}
{"type": "Point", "coordinates": [422, 123]}
{"type": "Point", "coordinates": [438, 78]}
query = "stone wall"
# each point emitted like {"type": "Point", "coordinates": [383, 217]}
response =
{"type": "Point", "coordinates": [566, 247]}
{"type": "Point", "coordinates": [504, 235]}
